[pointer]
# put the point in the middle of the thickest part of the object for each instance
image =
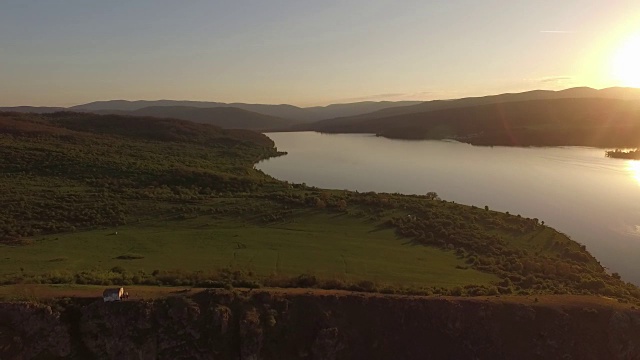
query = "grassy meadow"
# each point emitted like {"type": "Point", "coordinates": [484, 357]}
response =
{"type": "Point", "coordinates": [351, 249]}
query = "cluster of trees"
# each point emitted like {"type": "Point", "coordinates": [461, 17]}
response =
{"type": "Point", "coordinates": [26, 215]}
{"type": "Point", "coordinates": [510, 247]}
{"type": "Point", "coordinates": [67, 171]}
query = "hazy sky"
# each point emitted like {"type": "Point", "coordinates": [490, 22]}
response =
{"type": "Point", "coordinates": [66, 52]}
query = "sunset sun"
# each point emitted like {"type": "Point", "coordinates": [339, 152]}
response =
{"type": "Point", "coordinates": [626, 62]}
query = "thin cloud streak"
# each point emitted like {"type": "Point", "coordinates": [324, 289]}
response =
{"type": "Point", "coordinates": [377, 97]}
{"type": "Point", "coordinates": [412, 96]}
{"type": "Point", "coordinates": [554, 79]}
{"type": "Point", "coordinates": [558, 31]}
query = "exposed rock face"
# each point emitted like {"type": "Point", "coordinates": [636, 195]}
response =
{"type": "Point", "coordinates": [30, 330]}
{"type": "Point", "coordinates": [224, 325]}
{"type": "Point", "coordinates": [122, 330]}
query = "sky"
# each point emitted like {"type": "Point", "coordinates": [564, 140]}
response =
{"type": "Point", "coordinates": [305, 53]}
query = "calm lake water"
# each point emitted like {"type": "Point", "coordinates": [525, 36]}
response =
{"type": "Point", "coordinates": [593, 199]}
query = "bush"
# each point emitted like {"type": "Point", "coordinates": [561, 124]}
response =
{"type": "Point", "coordinates": [118, 269]}
{"type": "Point", "coordinates": [212, 284]}
{"type": "Point", "coordinates": [306, 281]}
{"type": "Point", "coordinates": [456, 291]}
{"type": "Point", "coordinates": [365, 285]}
{"type": "Point", "coordinates": [333, 284]}
{"type": "Point", "coordinates": [251, 284]}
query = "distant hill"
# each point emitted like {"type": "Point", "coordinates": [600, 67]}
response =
{"type": "Point", "coordinates": [330, 118]}
{"type": "Point", "coordinates": [148, 128]}
{"type": "Point", "coordinates": [596, 122]}
{"type": "Point", "coordinates": [283, 111]}
{"type": "Point", "coordinates": [225, 117]}
{"type": "Point", "coordinates": [357, 108]}
{"type": "Point", "coordinates": [581, 92]}
{"type": "Point", "coordinates": [237, 115]}
{"type": "Point", "coordinates": [32, 109]}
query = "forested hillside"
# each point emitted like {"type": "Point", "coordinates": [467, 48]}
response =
{"type": "Point", "coordinates": [224, 117]}
{"type": "Point", "coordinates": [618, 93]}
{"type": "Point", "coordinates": [595, 122]}
{"type": "Point", "coordinates": [65, 171]}
{"type": "Point", "coordinates": [129, 200]}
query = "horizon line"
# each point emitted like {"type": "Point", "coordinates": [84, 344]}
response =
{"type": "Point", "coordinates": [338, 102]}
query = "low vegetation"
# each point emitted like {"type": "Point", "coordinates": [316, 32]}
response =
{"type": "Point", "coordinates": [112, 200]}
{"type": "Point", "coordinates": [620, 154]}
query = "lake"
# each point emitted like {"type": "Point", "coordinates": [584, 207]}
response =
{"type": "Point", "coordinates": [577, 190]}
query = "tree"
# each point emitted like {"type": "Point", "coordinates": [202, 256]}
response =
{"type": "Point", "coordinates": [431, 195]}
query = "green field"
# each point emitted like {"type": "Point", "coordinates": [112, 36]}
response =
{"type": "Point", "coordinates": [190, 209]}
{"type": "Point", "coordinates": [351, 249]}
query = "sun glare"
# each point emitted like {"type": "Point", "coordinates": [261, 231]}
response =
{"type": "Point", "coordinates": [626, 62]}
{"type": "Point", "coordinates": [634, 169]}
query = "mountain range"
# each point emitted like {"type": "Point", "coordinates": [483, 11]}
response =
{"type": "Point", "coordinates": [428, 106]}
{"type": "Point", "coordinates": [579, 116]}
{"type": "Point", "coordinates": [227, 115]}
{"type": "Point", "coordinates": [453, 118]}
{"type": "Point", "coordinates": [224, 117]}
{"type": "Point", "coordinates": [283, 111]}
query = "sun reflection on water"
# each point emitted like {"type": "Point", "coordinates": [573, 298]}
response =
{"type": "Point", "coordinates": [634, 169]}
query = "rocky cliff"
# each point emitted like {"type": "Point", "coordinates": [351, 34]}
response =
{"type": "Point", "coordinates": [319, 325]}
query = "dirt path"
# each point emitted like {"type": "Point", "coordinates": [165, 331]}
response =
{"type": "Point", "coordinates": [140, 292]}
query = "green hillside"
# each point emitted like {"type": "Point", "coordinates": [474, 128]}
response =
{"type": "Point", "coordinates": [503, 120]}
{"type": "Point", "coordinates": [224, 117]}
{"type": "Point", "coordinates": [125, 200]}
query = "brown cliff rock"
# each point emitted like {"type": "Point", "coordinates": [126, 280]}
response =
{"type": "Point", "coordinates": [322, 325]}
{"type": "Point", "coordinates": [31, 330]}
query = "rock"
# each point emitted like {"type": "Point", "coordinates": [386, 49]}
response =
{"type": "Point", "coordinates": [250, 335]}
{"type": "Point", "coordinates": [223, 325]}
{"type": "Point", "coordinates": [31, 330]}
{"type": "Point", "coordinates": [326, 345]}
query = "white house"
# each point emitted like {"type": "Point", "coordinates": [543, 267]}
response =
{"type": "Point", "coordinates": [114, 294]}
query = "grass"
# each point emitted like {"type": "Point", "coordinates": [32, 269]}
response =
{"type": "Point", "coordinates": [350, 249]}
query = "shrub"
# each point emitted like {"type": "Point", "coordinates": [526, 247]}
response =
{"type": "Point", "coordinates": [212, 284]}
{"type": "Point", "coordinates": [305, 281]}
{"type": "Point", "coordinates": [456, 291]}
{"type": "Point", "coordinates": [243, 283]}
{"type": "Point", "coordinates": [366, 285]}
{"type": "Point", "coordinates": [333, 284]}
{"type": "Point", "coordinates": [118, 269]}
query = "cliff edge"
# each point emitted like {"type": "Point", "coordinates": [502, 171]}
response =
{"type": "Point", "coordinates": [320, 325]}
